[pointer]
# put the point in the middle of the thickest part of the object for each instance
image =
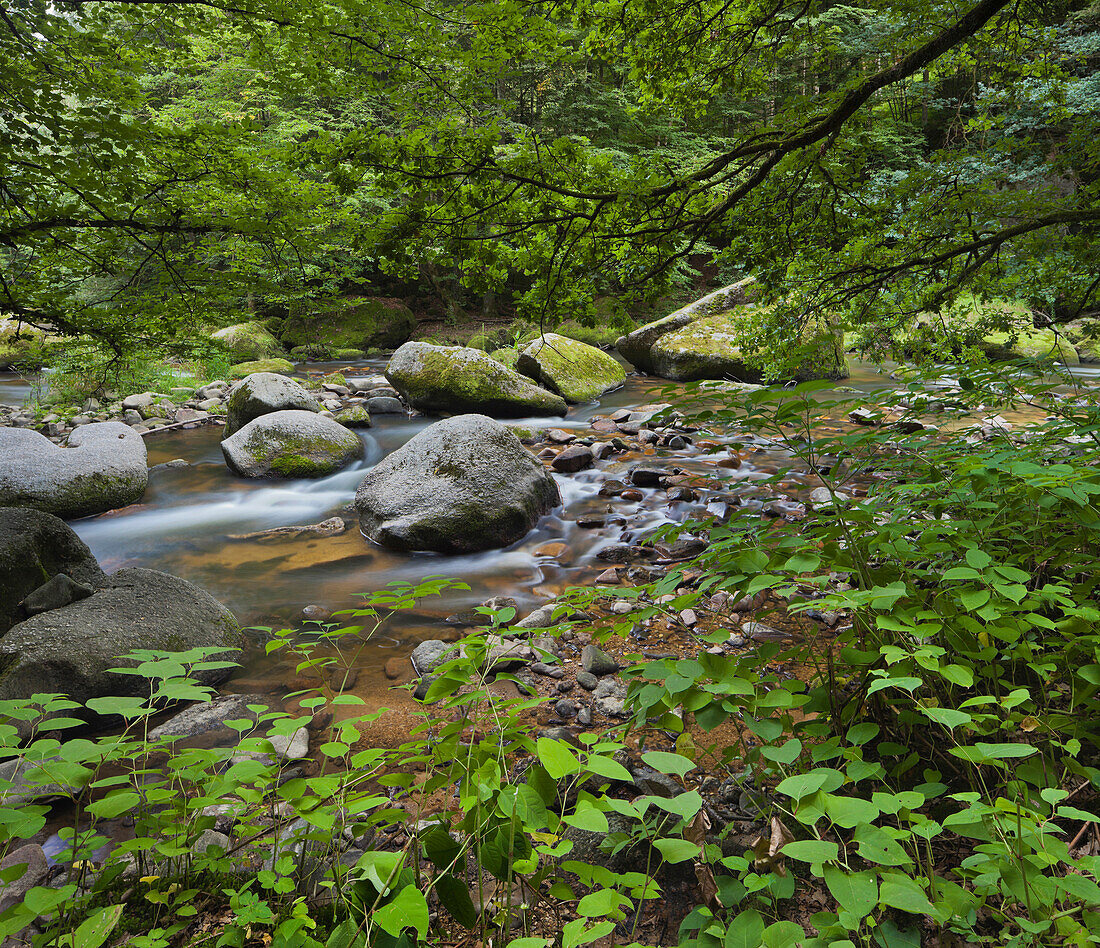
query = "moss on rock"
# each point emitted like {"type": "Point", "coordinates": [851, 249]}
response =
{"type": "Point", "coordinates": [576, 371]}
{"type": "Point", "coordinates": [458, 379]}
{"type": "Point", "coordinates": [243, 369]}
{"type": "Point", "coordinates": [363, 323]}
{"type": "Point", "coordinates": [291, 444]}
{"type": "Point", "coordinates": [248, 341]}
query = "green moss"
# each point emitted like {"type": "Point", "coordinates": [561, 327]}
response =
{"type": "Point", "coordinates": [294, 465]}
{"type": "Point", "coordinates": [350, 355]}
{"type": "Point", "coordinates": [278, 366]}
{"type": "Point", "coordinates": [507, 357]}
{"type": "Point", "coordinates": [576, 371]}
{"type": "Point", "coordinates": [362, 323]}
{"type": "Point", "coordinates": [334, 378]}
{"type": "Point", "coordinates": [248, 341]}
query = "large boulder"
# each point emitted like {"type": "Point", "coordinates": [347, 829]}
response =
{"type": "Point", "coordinates": [275, 366]}
{"type": "Point", "coordinates": [34, 548]}
{"type": "Point", "coordinates": [461, 485]}
{"type": "Point", "coordinates": [291, 444]}
{"type": "Point", "coordinates": [72, 650]}
{"type": "Point", "coordinates": [102, 466]}
{"type": "Point", "coordinates": [247, 342]}
{"type": "Point", "coordinates": [706, 341]}
{"type": "Point", "coordinates": [457, 379]}
{"type": "Point", "coordinates": [576, 371]}
{"type": "Point", "coordinates": [364, 323]}
{"type": "Point", "coordinates": [261, 394]}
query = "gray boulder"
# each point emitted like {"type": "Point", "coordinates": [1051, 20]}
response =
{"type": "Point", "coordinates": [461, 485]}
{"type": "Point", "coordinates": [34, 548]}
{"type": "Point", "coordinates": [262, 393]}
{"type": "Point", "coordinates": [291, 444]}
{"type": "Point", "coordinates": [72, 649]}
{"type": "Point", "coordinates": [457, 379]}
{"type": "Point", "coordinates": [101, 466]}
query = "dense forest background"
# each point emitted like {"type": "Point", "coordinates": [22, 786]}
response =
{"type": "Point", "coordinates": [166, 166]}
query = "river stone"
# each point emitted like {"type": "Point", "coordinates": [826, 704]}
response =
{"type": "Point", "coordinates": [430, 654]}
{"type": "Point", "coordinates": [291, 444]}
{"type": "Point", "coordinates": [29, 866]}
{"type": "Point", "coordinates": [704, 341]}
{"type": "Point", "coordinates": [34, 548]}
{"type": "Point", "coordinates": [61, 590]}
{"type": "Point", "coordinates": [353, 416]}
{"type": "Point", "coordinates": [460, 486]}
{"type": "Point", "coordinates": [457, 379]}
{"type": "Point", "coordinates": [261, 394]}
{"type": "Point", "coordinates": [102, 466]}
{"type": "Point", "coordinates": [597, 662]}
{"type": "Point", "coordinates": [576, 371]}
{"type": "Point", "coordinates": [71, 650]}
{"type": "Point", "coordinates": [248, 342]}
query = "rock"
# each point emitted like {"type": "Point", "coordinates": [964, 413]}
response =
{"type": "Point", "coordinates": [248, 342]}
{"type": "Point", "coordinates": [34, 548]}
{"type": "Point", "coordinates": [396, 668]}
{"type": "Point", "coordinates": [587, 680]}
{"type": "Point", "coordinates": [332, 527]}
{"type": "Point", "coordinates": [584, 716]}
{"type": "Point", "coordinates": [573, 459]}
{"type": "Point", "coordinates": [541, 618]}
{"type": "Point", "coordinates": [291, 444]}
{"type": "Point", "coordinates": [385, 405]}
{"type": "Point", "coordinates": [430, 654]}
{"type": "Point", "coordinates": [210, 838]}
{"type": "Point", "coordinates": [610, 698]}
{"type": "Point", "coordinates": [576, 371]}
{"type": "Point", "coordinates": [548, 671]}
{"type": "Point", "coordinates": [455, 379]}
{"type": "Point", "coordinates": [704, 341]}
{"type": "Point", "coordinates": [60, 590]}
{"type": "Point", "coordinates": [822, 497]}
{"type": "Point", "coordinates": [648, 476]}
{"type": "Point", "coordinates": [262, 394]}
{"type": "Point", "coordinates": [461, 485]}
{"type": "Point", "coordinates": [553, 550]}
{"type": "Point", "coordinates": [357, 323]}
{"type": "Point", "coordinates": [596, 661]}
{"type": "Point", "coordinates": [204, 717]}
{"type": "Point", "coordinates": [758, 631]}
{"type": "Point", "coordinates": [354, 416]}
{"type": "Point", "coordinates": [26, 867]}
{"type": "Point", "coordinates": [102, 466]}
{"type": "Point", "coordinates": [72, 649]}
{"type": "Point", "coordinates": [564, 708]}
{"type": "Point", "coordinates": [275, 366]}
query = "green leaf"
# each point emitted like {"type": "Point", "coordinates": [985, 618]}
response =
{"type": "Point", "coordinates": [783, 934]}
{"type": "Point", "coordinates": [94, 931]}
{"type": "Point", "coordinates": [855, 892]}
{"type": "Point", "coordinates": [454, 896]}
{"type": "Point", "coordinates": [811, 850]}
{"type": "Point", "coordinates": [114, 804]}
{"type": "Point", "coordinates": [606, 767]}
{"type": "Point", "coordinates": [668, 763]}
{"type": "Point", "coordinates": [745, 931]}
{"type": "Point", "coordinates": [557, 757]}
{"type": "Point", "coordinates": [798, 786]}
{"type": "Point", "coordinates": [902, 892]}
{"type": "Point", "coordinates": [677, 850]}
{"type": "Point", "coordinates": [408, 909]}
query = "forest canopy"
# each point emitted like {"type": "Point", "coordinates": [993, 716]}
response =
{"type": "Point", "coordinates": [169, 163]}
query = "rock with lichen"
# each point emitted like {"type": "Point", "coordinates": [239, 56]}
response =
{"type": "Point", "coordinates": [262, 393]}
{"type": "Point", "coordinates": [291, 444]}
{"type": "Point", "coordinates": [576, 371]}
{"type": "Point", "coordinates": [458, 379]}
{"type": "Point", "coordinates": [460, 486]}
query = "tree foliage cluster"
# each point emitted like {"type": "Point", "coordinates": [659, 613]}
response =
{"type": "Point", "coordinates": [165, 164]}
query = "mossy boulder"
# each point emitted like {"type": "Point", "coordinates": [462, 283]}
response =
{"type": "Point", "coordinates": [1042, 345]}
{"type": "Point", "coordinates": [354, 416]}
{"type": "Point", "coordinates": [459, 379]}
{"type": "Point", "coordinates": [460, 486]}
{"type": "Point", "coordinates": [508, 356]}
{"type": "Point", "coordinates": [709, 339]}
{"type": "Point", "coordinates": [291, 444]}
{"type": "Point", "coordinates": [361, 323]}
{"type": "Point", "coordinates": [248, 341]}
{"type": "Point", "coordinates": [243, 369]}
{"type": "Point", "coordinates": [263, 393]}
{"type": "Point", "coordinates": [34, 548]}
{"type": "Point", "coordinates": [73, 649]}
{"type": "Point", "coordinates": [102, 466]}
{"type": "Point", "coordinates": [576, 371]}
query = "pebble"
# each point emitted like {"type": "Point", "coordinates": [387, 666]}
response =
{"type": "Point", "coordinates": [597, 662]}
{"type": "Point", "coordinates": [565, 709]}
{"type": "Point", "coordinates": [630, 494]}
{"type": "Point", "coordinates": [548, 671]}
{"type": "Point", "coordinates": [587, 680]}
{"type": "Point", "coordinates": [572, 459]}
{"type": "Point", "coordinates": [584, 716]}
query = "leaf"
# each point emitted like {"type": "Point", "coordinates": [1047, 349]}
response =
{"type": "Point", "coordinates": [903, 892]}
{"type": "Point", "coordinates": [745, 931]}
{"type": "Point", "coordinates": [811, 850]}
{"type": "Point", "coordinates": [677, 850]}
{"type": "Point", "coordinates": [785, 934]}
{"type": "Point", "coordinates": [408, 909]}
{"type": "Point", "coordinates": [798, 786]}
{"type": "Point", "coordinates": [606, 767]}
{"type": "Point", "coordinates": [557, 757]}
{"type": "Point", "coordinates": [766, 848]}
{"type": "Point", "coordinates": [94, 931]}
{"type": "Point", "coordinates": [668, 763]}
{"type": "Point", "coordinates": [454, 896]}
{"type": "Point", "coordinates": [114, 804]}
{"type": "Point", "coordinates": [855, 892]}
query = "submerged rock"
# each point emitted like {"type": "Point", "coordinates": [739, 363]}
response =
{"type": "Point", "coordinates": [72, 650]}
{"type": "Point", "coordinates": [35, 547]}
{"type": "Point", "coordinates": [102, 466]}
{"type": "Point", "coordinates": [291, 444]}
{"type": "Point", "coordinates": [461, 485]}
{"type": "Point", "coordinates": [456, 379]}
{"type": "Point", "coordinates": [261, 394]}
{"type": "Point", "coordinates": [576, 371]}
{"type": "Point", "coordinates": [705, 341]}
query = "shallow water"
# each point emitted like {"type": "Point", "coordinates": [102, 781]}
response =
{"type": "Point", "coordinates": [15, 389]}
